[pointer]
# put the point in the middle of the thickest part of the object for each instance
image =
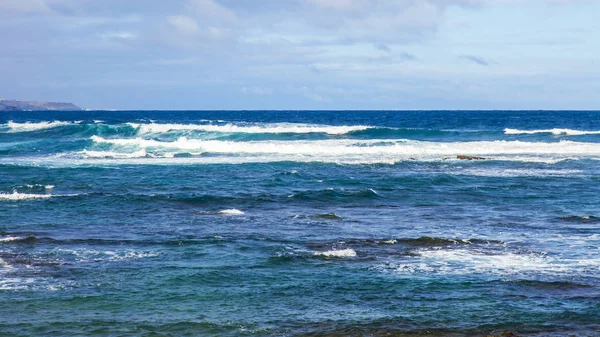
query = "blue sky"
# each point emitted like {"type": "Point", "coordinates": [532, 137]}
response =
{"type": "Point", "coordinates": [302, 54]}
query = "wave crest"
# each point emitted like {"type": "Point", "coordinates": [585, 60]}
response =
{"type": "Point", "coordinates": [23, 196]}
{"type": "Point", "coordinates": [337, 253]}
{"type": "Point", "coordinates": [555, 131]}
{"type": "Point", "coordinates": [233, 128]}
{"type": "Point", "coordinates": [34, 126]}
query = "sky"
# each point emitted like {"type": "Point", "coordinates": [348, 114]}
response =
{"type": "Point", "coordinates": [302, 54]}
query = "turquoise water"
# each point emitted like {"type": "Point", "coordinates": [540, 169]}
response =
{"type": "Point", "coordinates": [296, 223]}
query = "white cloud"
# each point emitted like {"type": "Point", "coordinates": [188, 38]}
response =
{"type": "Point", "coordinates": [25, 6]}
{"type": "Point", "coordinates": [257, 90]}
{"type": "Point", "coordinates": [119, 35]}
{"type": "Point", "coordinates": [184, 24]}
{"type": "Point", "coordinates": [210, 10]}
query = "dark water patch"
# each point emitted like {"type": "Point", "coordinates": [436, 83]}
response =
{"type": "Point", "coordinates": [430, 134]}
{"type": "Point", "coordinates": [397, 327]}
{"type": "Point", "coordinates": [10, 239]}
{"type": "Point", "coordinates": [576, 293]}
{"type": "Point", "coordinates": [424, 241]}
{"type": "Point", "coordinates": [136, 327]}
{"type": "Point", "coordinates": [548, 285]}
{"type": "Point", "coordinates": [586, 219]}
{"type": "Point", "coordinates": [336, 195]}
{"type": "Point", "coordinates": [14, 259]}
{"type": "Point", "coordinates": [403, 327]}
{"type": "Point", "coordinates": [318, 216]}
{"type": "Point", "coordinates": [427, 241]}
{"type": "Point", "coordinates": [33, 240]}
{"type": "Point", "coordinates": [327, 216]}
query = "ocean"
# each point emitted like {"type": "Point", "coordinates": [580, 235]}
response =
{"type": "Point", "coordinates": [299, 223]}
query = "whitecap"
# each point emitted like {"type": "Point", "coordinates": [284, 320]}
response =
{"type": "Point", "coordinates": [233, 128]}
{"type": "Point", "coordinates": [401, 149]}
{"type": "Point", "coordinates": [16, 283]}
{"type": "Point", "coordinates": [555, 131]}
{"type": "Point", "coordinates": [232, 211]}
{"type": "Point", "coordinates": [337, 253]}
{"type": "Point", "coordinates": [34, 126]}
{"type": "Point", "coordinates": [502, 172]}
{"type": "Point", "coordinates": [10, 238]}
{"type": "Point", "coordinates": [91, 255]}
{"type": "Point", "coordinates": [112, 154]}
{"type": "Point", "coordinates": [467, 261]}
{"type": "Point", "coordinates": [46, 187]}
{"type": "Point", "coordinates": [23, 196]}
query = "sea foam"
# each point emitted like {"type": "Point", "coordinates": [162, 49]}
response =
{"type": "Point", "coordinates": [344, 147]}
{"type": "Point", "coordinates": [10, 238]}
{"type": "Point", "coordinates": [112, 154]}
{"type": "Point", "coordinates": [232, 128]}
{"type": "Point", "coordinates": [34, 126]}
{"type": "Point", "coordinates": [232, 211]}
{"type": "Point", "coordinates": [23, 196]}
{"type": "Point", "coordinates": [337, 253]}
{"type": "Point", "coordinates": [556, 131]}
{"type": "Point", "coordinates": [468, 261]}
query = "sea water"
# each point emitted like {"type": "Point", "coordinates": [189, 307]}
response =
{"type": "Point", "coordinates": [299, 223]}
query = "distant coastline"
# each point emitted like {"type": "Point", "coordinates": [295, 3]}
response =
{"type": "Point", "coordinates": [14, 105]}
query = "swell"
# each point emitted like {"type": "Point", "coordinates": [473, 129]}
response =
{"type": "Point", "coordinates": [35, 240]}
{"type": "Point", "coordinates": [580, 219]}
{"type": "Point", "coordinates": [346, 149]}
{"type": "Point", "coordinates": [17, 238]}
{"type": "Point", "coordinates": [420, 242]}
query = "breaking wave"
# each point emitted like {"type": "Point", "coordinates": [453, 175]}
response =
{"type": "Point", "coordinates": [23, 196]}
{"type": "Point", "coordinates": [348, 150]}
{"type": "Point", "coordinates": [467, 261]}
{"type": "Point", "coordinates": [566, 132]}
{"type": "Point", "coordinates": [33, 126]}
{"type": "Point", "coordinates": [232, 128]}
{"type": "Point", "coordinates": [337, 253]}
{"type": "Point", "coordinates": [232, 211]}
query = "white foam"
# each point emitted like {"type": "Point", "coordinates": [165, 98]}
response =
{"type": "Point", "coordinates": [23, 196]}
{"type": "Point", "coordinates": [46, 187]}
{"type": "Point", "coordinates": [16, 283]}
{"type": "Point", "coordinates": [555, 131]}
{"type": "Point", "coordinates": [372, 149]}
{"type": "Point", "coordinates": [112, 154]}
{"type": "Point", "coordinates": [495, 172]}
{"type": "Point", "coordinates": [467, 261]}
{"type": "Point", "coordinates": [232, 128]}
{"type": "Point", "coordinates": [91, 255]}
{"type": "Point", "coordinates": [337, 253]}
{"type": "Point", "coordinates": [10, 238]}
{"type": "Point", "coordinates": [232, 211]}
{"type": "Point", "coordinates": [32, 126]}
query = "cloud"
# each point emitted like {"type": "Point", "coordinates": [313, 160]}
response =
{"type": "Point", "coordinates": [257, 90]}
{"type": "Point", "coordinates": [25, 6]}
{"type": "Point", "coordinates": [118, 35]}
{"type": "Point", "coordinates": [383, 47]}
{"type": "Point", "coordinates": [327, 51]}
{"type": "Point", "coordinates": [184, 24]}
{"type": "Point", "coordinates": [476, 60]}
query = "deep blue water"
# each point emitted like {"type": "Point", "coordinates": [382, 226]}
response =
{"type": "Point", "coordinates": [298, 223]}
